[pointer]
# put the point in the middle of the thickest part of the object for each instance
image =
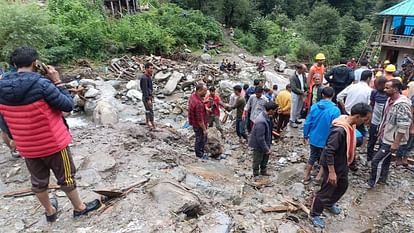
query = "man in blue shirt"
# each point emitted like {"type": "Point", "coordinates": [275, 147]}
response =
{"type": "Point", "coordinates": [317, 127]}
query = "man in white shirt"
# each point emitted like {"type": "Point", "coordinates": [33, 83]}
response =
{"type": "Point", "coordinates": [356, 93]}
{"type": "Point", "coordinates": [358, 72]}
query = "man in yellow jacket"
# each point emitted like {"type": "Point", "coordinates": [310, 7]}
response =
{"type": "Point", "coordinates": [284, 101]}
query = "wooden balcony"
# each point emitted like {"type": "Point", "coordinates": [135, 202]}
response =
{"type": "Point", "coordinates": [399, 41]}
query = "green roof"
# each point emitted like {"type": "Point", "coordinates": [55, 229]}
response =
{"type": "Point", "coordinates": [404, 8]}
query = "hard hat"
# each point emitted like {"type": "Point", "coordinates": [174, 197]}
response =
{"type": "Point", "coordinates": [398, 78]}
{"type": "Point", "coordinates": [386, 62]}
{"type": "Point", "coordinates": [390, 68]}
{"type": "Point", "coordinates": [379, 74]}
{"type": "Point", "coordinates": [320, 56]}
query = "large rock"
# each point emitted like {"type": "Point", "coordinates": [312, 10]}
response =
{"type": "Point", "coordinates": [172, 83]}
{"type": "Point", "coordinates": [272, 78]}
{"type": "Point", "coordinates": [161, 76]}
{"type": "Point", "coordinates": [105, 113]}
{"type": "Point", "coordinates": [134, 94]}
{"type": "Point", "coordinates": [132, 85]}
{"type": "Point", "coordinates": [281, 63]}
{"type": "Point", "coordinates": [216, 222]}
{"type": "Point", "coordinates": [102, 162]}
{"type": "Point", "coordinates": [89, 107]}
{"type": "Point", "coordinates": [92, 93]}
{"type": "Point", "coordinates": [205, 58]}
{"type": "Point", "coordinates": [214, 147]}
{"type": "Point", "coordinates": [172, 197]}
{"type": "Point", "coordinates": [288, 227]}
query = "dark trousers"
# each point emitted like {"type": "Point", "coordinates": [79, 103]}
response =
{"type": "Point", "coordinates": [260, 160]}
{"type": "Point", "coordinates": [282, 122]}
{"type": "Point", "coordinates": [200, 142]}
{"type": "Point", "coordinates": [373, 131]}
{"type": "Point", "coordinates": [380, 165]}
{"type": "Point", "coordinates": [329, 194]}
{"type": "Point", "coordinates": [241, 128]}
{"type": "Point", "coordinates": [149, 111]}
{"type": "Point", "coordinates": [404, 149]}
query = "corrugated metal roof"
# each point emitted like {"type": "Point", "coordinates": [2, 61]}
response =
{"type": "Point", "coordinates": [405, 8]}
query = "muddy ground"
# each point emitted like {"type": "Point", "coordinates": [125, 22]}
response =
{"type": "Point", "coordinates": [115, 157]}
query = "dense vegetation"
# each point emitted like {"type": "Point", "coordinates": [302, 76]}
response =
{"type": "Point", "coordinates": [70, 29]}
{"type": "Point", "coordinates": [297, 29]}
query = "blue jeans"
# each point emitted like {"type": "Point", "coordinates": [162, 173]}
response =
{"type": "Point", "coordinates": [200, 142]}
{"type": "Point", "coordinates": [241, 128]}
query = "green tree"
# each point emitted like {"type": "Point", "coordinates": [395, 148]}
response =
{"type": "Point", "coordinates": [24, 25]}
{"type": "Point", "coordinates": [322, 25]}
{"type": "Point", "coordinates": [352, 34]}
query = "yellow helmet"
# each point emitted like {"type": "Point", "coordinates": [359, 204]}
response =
{"type": "Point", "coordinates": [320, 56]}
{"type": "Point", "coordinates": [378, 74]}
{"type": "Point", "coordinates": [398, 78]}
{"type": "Point", "coordinates": [387, 62]}
{"type": "Point", "coordinates": [390, 68]}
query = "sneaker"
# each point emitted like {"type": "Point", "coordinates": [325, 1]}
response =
{"type": "Point", "coordinates": [317, 221]}
{"type": "Point", "coordinates": [90, 206]}
{"type": "Point", "coordinates": [370, 186]}
{"type": "Point", "coordinates": [335, 209]}
{"type": "Point", "coordinates": [53, 217]}
{"type": "Point", "coordinates": [205, 156]}
{"type": "Point", "coordinates": [298, 122]}
{"type": "Point", "coordinates": [293, 125]}
{"type": "Point", "coordinates": [15, 154]}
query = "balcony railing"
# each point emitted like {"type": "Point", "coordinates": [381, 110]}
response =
{"type": "Point", "coordinates": [397, 40]}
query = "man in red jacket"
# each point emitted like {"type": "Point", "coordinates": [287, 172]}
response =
{"type": "Point", "coordinates": [197, 118]}
{"type": "Point", "coordinates": [31, 106]}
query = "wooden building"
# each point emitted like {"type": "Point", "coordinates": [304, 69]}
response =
{"type": "Point", "coordinates": [397, 33]}
{"type": "Point", "coordinates": [124, 7]}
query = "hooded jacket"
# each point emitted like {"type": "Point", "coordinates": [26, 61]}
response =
{"type": "Point", "coordinates": [318, 123]}
{"type": "Point", "coordinates": [396, 120]}
{"type": "Point", "coordinates": [340, 77]}
{"type": "Point", "coordinates": [261, 136]}
{"type": "Point", "coordinates": [32, 106]}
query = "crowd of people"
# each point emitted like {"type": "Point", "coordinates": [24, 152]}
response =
{"type": "Point", "coordinates": [351, 105]}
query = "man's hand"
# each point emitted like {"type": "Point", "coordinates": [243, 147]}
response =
{"type": "Point", "coordinates": [332, 178]}
{"type": "Point", "coordinates": [305, 93]}
{"type": "Point", "coordinates": [269, 152]}
{"type": "Point", "coordinates": [394, 148]}
{"type": "Point", "coordinates": [52, 74]}
{"type": "Point", "coordinates": [305, 141]}
{"type": "Point", "coordinates": [244, 116]}
{"type": "Point", "coordinates": [205, 133]}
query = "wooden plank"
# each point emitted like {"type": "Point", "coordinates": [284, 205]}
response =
{"type": "Point", "coordinates": [26, 191]}
{"type": "Point", "coordinates": [279, 209]}
{"type": "Point", "coordinates": [127, 4]}
{"type": "Point", "coordinates": [112, 7]}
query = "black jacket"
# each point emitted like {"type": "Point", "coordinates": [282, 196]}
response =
{"type": "Point", "coordinates": [295, 84]}
{"type": "Point", "coordinates": [335, 150]}
{"type": "Point", "coordinates": [340, 77]}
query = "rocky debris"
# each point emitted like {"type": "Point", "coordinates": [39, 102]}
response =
{"type": "Point", "coordinates": [215, 222]}
{"type": "Point", "coordinates": [105, 113]}
{"type": "Point", "coordinates": [161, 76]}
{"type": "Point", "coordinates": [132, 85]}
{"type": "Point", "coordinates": [91, 93]}
{"type": "Point", "coordinates": [172, 83]}
{"type": "Point", "coordinates": [102, 162]}
{"type": "Point", "coordinates": [214, 147]}
{"type": "Point", "coordinates": [288, 227]}
{"type": "Point", "coordinates": [173, 197]}
{"type": "Point", "coordinates": [280, 65]}
{"type": "Point", "coordinates": [206, 58]}
{"type": "Point", "coordinates": [134, 95]}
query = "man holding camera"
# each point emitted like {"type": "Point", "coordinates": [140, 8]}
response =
{"type": "Point", "coordinates": [32, 107]}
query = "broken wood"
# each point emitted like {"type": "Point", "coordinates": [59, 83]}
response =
{"type": "Point", "coordinates": [280, 209]}
{"type": "Point", "coordinates": [27, 191]}
{"type": "Point", "coordinates": [300, 205]}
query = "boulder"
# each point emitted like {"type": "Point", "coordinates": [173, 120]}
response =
{"type": "Point", "coordinates": [105, 113]}
{"type": "Point", "coordinates": [289, 72]}
{"type": "Point", "coordinates": [92, 93]}
{"type": "Point", "coordinates": [133, 84]}
{"type": "Point", "coordinates": [89, 176]}
{"type": "Point", "coordinates": [161, 76]}
{"type": "Point", "coordinates": [281, 64]}
{"type": "Point", "coordinates": [102, 162]}
{"type": "Point", "coordinates": [205, 58]}
{"type": "Point", "coordinates": [214, 147]}
{"type": "Point", "coordinates": [114, 83]}
{"type": "Point", "coordinates": [89, 107]}
{"type": "Point", "coordinates": [272, 78]}
{"type": "Point", "coordinates": [87, 82]}
{"type": "Point", "coordinates": [134, 94]}
{"type": "Point", "coordinates": [172, 83]}
{"type": "Point", "coordinates": [216, 222]}
{"type": "Point", "coordinates": [172, 197]}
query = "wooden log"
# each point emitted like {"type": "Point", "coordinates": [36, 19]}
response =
{"type": "Point", "coordinates": [300, 205]}
{"type": "Point", "coordinates": [27, 191]}
{"type": "Point", "coordinates": [279, 209]}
